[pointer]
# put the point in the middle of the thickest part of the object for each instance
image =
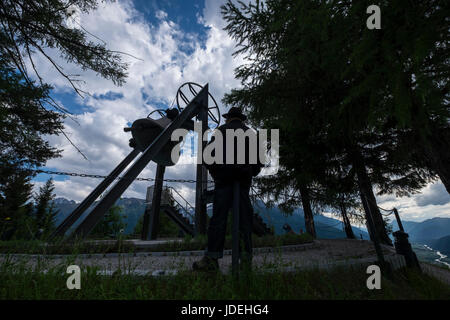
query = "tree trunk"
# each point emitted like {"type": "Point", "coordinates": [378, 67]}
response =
{"type": "Point", "coordinates": [347, 225]}
{"type": "Point", "coordinates": [306, 203]}
{"type": "Point", "coordinates": [368, 199]}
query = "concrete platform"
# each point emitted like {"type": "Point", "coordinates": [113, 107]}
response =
{"type": "Point", "coordinates": [319, 254]}
{"type": "Point", "coordinates": [138, 243]}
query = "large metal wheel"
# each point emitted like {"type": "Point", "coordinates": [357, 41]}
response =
{"type": "Point", "coordinates": [161, 112]}
{"type": "Point", "coordinates": [187, 91]}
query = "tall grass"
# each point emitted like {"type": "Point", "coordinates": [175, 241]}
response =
{"type": "Point", "coordinates": [120, 245]}
{"type": "Point", "coordinates": [17, 281]}
{"type": "Point", "coordinates": [42, 279]}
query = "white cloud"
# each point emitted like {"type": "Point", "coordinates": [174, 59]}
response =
{"type": "Point", "coordinates": [161, 14]}
{"type": "Point", "coordinates": [162, 66]}
{"type": "Point", "coordinates": [434, 194]}
{"type": "Point", "coordinates": [431, 201]}
{"type": "Point", "coordinates": [211, 14]}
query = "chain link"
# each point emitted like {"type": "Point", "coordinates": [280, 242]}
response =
{"type": "Point", "coordinates": [84, 175]}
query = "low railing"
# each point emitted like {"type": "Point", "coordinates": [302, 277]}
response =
{"type": "Point", "coordinates": [181, 204]}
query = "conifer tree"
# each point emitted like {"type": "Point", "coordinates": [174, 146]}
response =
{"type": "Point", "coordinates": [44, 211]}
{"type": "Point", "coordinates": [27, 110]}
{"type": "Point", "coordinates": [303, 75]}
{"type": "Point", "coordinates": [111, 225]}
{"type": "Point", "coordinates": [15, 206]}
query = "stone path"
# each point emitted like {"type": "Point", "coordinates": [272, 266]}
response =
{"type": "Point", "coordinates": [320, 254]}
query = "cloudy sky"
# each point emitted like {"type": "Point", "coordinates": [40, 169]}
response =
{"type": "Point", "coordinates": [169, 43]}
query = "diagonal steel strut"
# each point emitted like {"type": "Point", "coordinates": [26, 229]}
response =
{"type": "Point", "coordinates": [192, 109]}
{"type": "Point", "coordinates": [89, 200]}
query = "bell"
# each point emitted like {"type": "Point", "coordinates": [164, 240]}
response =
{"type": "Point", "coordinates": [145, 131]}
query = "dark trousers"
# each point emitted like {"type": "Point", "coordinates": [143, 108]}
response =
{"type": "Point", "coordinates": [222, 204]}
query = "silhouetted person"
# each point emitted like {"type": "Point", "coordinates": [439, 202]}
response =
{"type": "Point", "coordinates": [224, 176]}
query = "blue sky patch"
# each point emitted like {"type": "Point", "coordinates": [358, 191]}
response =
{"type": "Point", "coordinates": [43, 177]}
{"type": "Point", "coordinates": [110, 95]}
{"type": "Point", "coordinates": [183, 13]}
{"type": "Point", "coordinates": [71, 102]}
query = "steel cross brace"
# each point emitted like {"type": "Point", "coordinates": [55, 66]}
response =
{"type": "Point", "coordinates": [235, 233]}
{"type": "Point", "coordinates": [151, 217]}
{"type": "Point", "coordinates": [89, 200]}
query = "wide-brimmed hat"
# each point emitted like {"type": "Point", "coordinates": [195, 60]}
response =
{"type": "Point", "coordinates": [235, 113]}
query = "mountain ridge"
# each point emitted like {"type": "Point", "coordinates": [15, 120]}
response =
{"type": "Point", "coordinates": [434, 232]}
{"type": "Point", "coordinates": [327, 228]}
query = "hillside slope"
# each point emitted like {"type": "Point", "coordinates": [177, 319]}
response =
{"type": "Point", "coordinates": [426, 231]}
{"type": "Point", "coordinates": [326, 228]}
{"type": "Point", "coordinates": [441, 244]}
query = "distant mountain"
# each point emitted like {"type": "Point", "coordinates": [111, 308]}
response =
{"type": "Point", "coordinates": [326, 228]}
{"type": "Point", "coordinates": [431, 229]}
{"type": "Point", "coordinates": [441, 244]}
{"type": "Point", "coordinates": [65, 207]}
{"type": "Point", "coordinates": [63, 201]}
{"type": "Point", "coordinates": [133, 208]}
{"type": "Point", "coordinates": [426, 231]}
{"type": "Point", "coordinates": [407, 225]}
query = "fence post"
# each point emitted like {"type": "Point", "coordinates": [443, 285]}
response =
{"type": "Point", "coordinates": [235, 247]}
{"type": "Point", "coordinates": [402, 245]}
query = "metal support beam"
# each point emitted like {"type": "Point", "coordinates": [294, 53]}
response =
{"type": "Point", "coordinates": [151, 218]}
{"type": "Point", "coordinates": [202, 176]}
{"type": "Point", "coordinates": [235, 232]}
{"type": "Point", "coordinates": [402, 245]}
{"type": "Point", "coordinates": [147, 212]}
{"type": "Point", "coordinates": [399, 222]}
{"type": "Point", "coordinates": [161, 140]}
{"type": "Point", "coordinates": [89, 200]}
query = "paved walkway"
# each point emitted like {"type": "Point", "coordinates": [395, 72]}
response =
{"type": "Point", "coordinates": [139, 244]}
{"type": "Point", "coordinates": [320, 254]}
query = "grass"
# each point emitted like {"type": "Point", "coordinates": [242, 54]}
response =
{"type": "Point", "coordinates": [437, 265]}
{"type": "Point", "coordinates": [16, 282]}
{"type": "Point", "coordinates": [188, 243]}
{"type": "Point", "coordinates": [77, 247]}
{"type": "Point", "coordinates": [46, 281]}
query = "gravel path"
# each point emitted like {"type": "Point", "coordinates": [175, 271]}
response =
{"type": "Point", "coordinates": [322, 253]}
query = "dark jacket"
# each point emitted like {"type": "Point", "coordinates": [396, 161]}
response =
{"type": "Point", "coordinates": [232, 172]}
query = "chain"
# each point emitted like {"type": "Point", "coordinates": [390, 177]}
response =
{"type": "Point", "coordinates": [391, 211]}
{"type": "Point", "coordinates": [386, 214]}
{"type": "Point", "coordinates": [85, 175]}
